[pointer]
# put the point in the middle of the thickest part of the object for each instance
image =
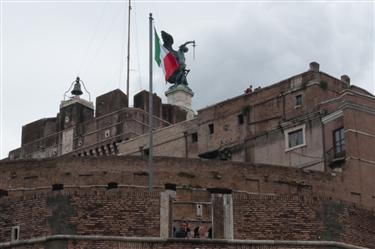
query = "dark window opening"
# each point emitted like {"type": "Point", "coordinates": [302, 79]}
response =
{"type": "Point", "coordinates": [240, 119]}
{"type": "Point", "coordinates": [299, 100]}
{"type": "Point", "coordinates": [115, 149]}
{"type": "Point", "coordinates": [194, 137]}
{"type": "Point", "coordinates": [112, 185]}
{"type": "Point", "coordinates": [339, 142]}
{"type": "Point", "coordinates": [57, 187]}
{"type": "Point", "coordinates": [146, 152]}
{"type": "Point", "coordinates": [15, 233]}
{"type": "Point", "coordinates": [211, 128]}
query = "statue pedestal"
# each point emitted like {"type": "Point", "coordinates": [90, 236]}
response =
{"type": "Point", "coordinates": [180, 95]}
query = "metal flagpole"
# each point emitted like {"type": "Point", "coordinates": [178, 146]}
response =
{"type": "Point", "coordinates": [150, 104]}
{"type": "Point", "coordinates": [128, 58]}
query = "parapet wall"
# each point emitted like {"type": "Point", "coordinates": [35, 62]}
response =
{"type": "Point", "coordinates": [20, 176]}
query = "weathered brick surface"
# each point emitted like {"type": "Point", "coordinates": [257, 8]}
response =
{"type": "Point", "coordinates": [75, 172]}
{"type": "Point", "coordinates": [123, 212]}
{"type": "Point", "coordinates": [83, 212]}
{"type": "Point", "coordinates": [301, 218]}
{"type": "Point", "coordinates": [115, 212]}
{"type": "Point", "coordinates": [109, 102]}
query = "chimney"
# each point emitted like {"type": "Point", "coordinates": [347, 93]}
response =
{"type": "Point", "coordinates": [314, 66]}
{"type": "Point", "coordinates": [345, 78]}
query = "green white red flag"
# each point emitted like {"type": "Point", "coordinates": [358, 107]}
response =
{"type": "Point", "coordinates": [164, 58]}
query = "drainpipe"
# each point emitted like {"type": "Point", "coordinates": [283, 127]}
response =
{"type": "Point", "coordinates": [186, 144]}
{"type": "Point", "coordinates": [283, 96]}
{"type": "Point", "coordinates": [324, 144]}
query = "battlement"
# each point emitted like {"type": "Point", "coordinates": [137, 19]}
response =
{"type": "Point", "coordinates": [76, 129]}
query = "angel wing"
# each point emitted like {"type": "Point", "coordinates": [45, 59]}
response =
{"type": "Point", "coordinates": [167, 39]}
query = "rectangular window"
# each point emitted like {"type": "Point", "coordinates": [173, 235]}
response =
{"type": "Point", "coordinates": [299, 100]}
{"type": "Point", "coordinates": [240, 119]}
{"type": "Point", "coordinates": [295, 137]}
{"type": "Point", "coordinates": [199, 210]}
{"type": "Point", "coordinates": [146, 152]}
{"type": "Point", "coordinates": [15, 233]}
{"type": "Point", "coordinates": [211, 128]}
{"type": "Point", "coordinates": [194, 137]}
{"type": "Point", "coordinates": [339, 142]}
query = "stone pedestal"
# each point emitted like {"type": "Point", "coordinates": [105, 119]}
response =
{"type": "Point", "coordinates": [181, 95]}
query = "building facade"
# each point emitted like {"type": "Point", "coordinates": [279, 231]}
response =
{"type": "Point", "coordinates": [287, 166]}
{"type": "Point", "coordinates": [311, 121]}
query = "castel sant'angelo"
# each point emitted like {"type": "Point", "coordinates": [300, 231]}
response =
{"type": "Point", "coordinates": [287, 166]}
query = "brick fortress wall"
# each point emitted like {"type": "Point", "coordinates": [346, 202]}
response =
{"type": "Point", "coordinates": [117, 212]}
{"type": "Point", "coordinates": [284, 203]}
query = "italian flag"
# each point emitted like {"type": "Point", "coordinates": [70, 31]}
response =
{"type": "Point", "coordinates": [164, 58]}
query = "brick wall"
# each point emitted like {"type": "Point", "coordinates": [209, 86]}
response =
{"type": "Point", "coordinates": [301, 218]}
{"type": "Point", "coordinates": [192, 173]}
{"type": "Point", "coordinates": [81, 212]}
{"type": "Point", "coordinates": [117, 212]}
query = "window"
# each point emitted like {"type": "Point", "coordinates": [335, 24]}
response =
{"type": "Point", "coordinates": [339, 142]}
{"type": "Point", "coordinates": [240, 119]}
{"type": "Point", "coordinates": [199, 210]}
{"type": "Point", "coordinates": [194, 137]}
{"type": "Point", "coordinates": [15, 233]}
{"type": "Point", "coordinates": [211, 128]}
{"type": "Point", "coordinates": [298, 100]}
{"type": "Point", "coordinates": [295, 137]}
{"type": "Point", "coordinates": [146, 152]}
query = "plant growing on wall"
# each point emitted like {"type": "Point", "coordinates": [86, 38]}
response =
{"type": "Point", "coordinates": [330, 216]}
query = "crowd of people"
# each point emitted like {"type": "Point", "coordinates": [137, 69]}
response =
{"type": "Point", "coordinates": [199, 231]}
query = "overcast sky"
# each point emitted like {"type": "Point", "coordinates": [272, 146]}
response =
{"type": "Point", "coordinates": [46, 44]}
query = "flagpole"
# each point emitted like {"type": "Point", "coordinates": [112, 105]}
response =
{"type": "Point", "coordinates": [128, 58]}
{"type": "Point", "coordinates": [150, 100]}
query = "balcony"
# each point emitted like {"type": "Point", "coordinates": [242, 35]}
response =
{"type": "Point", "coordinates": [335, 159]}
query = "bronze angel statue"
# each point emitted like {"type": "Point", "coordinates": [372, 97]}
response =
{"type": "Point", "coordinates": [179, 75]}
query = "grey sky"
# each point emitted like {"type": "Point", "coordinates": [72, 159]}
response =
{"type": "Point", "coordinates": [46, 44]}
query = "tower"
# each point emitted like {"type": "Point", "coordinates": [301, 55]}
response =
{"type": "Point", "coordinates": [73, 111]}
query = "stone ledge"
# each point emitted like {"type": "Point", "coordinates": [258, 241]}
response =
{"type": "Point", "coordinates": [322, 244]}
